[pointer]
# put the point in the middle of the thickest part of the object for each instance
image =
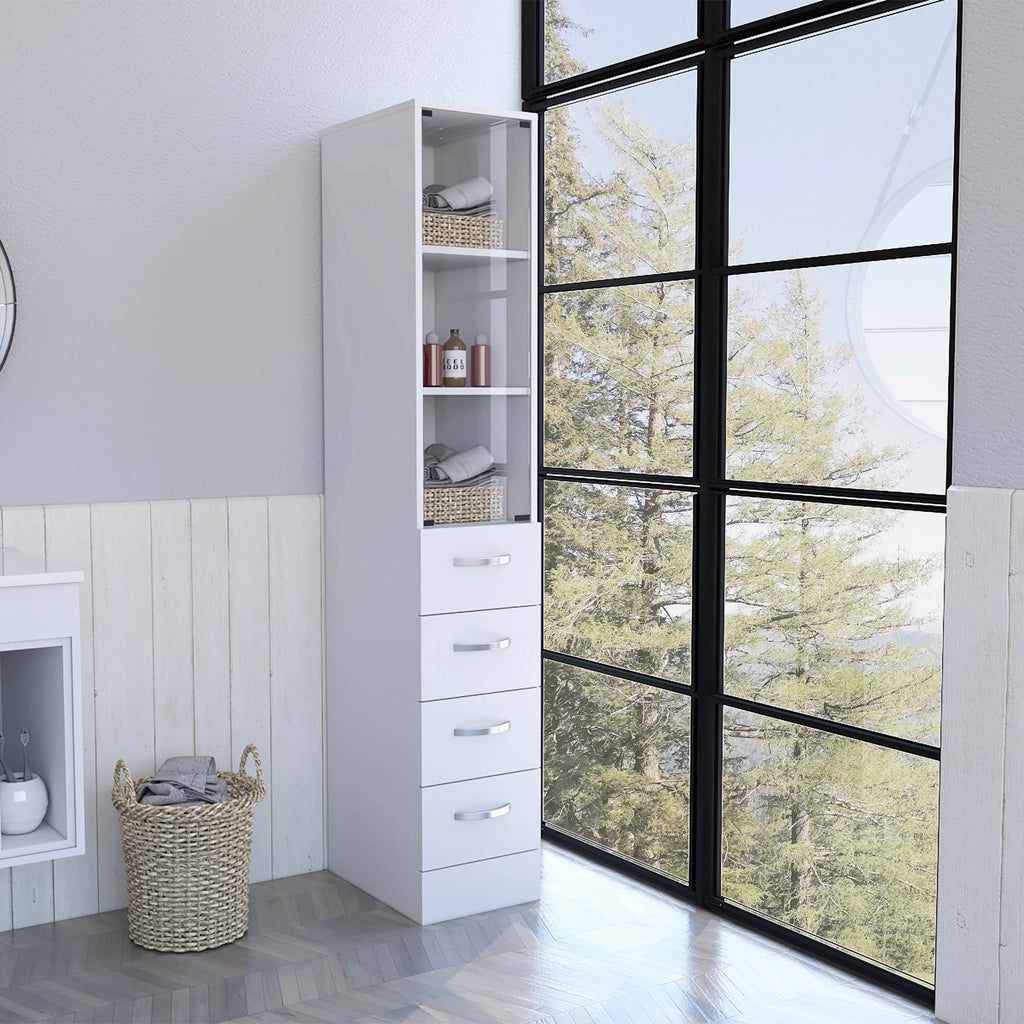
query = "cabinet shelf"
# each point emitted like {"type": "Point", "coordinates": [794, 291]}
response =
{"type": "Point", "coordinates": [453, 392]}
{"type": "Point", "coordinates": [444, 257]}
{"type": "Point", "coordinates": [43, 840]}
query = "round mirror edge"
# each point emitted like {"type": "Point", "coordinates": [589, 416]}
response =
{"type": "Point", "coordinates": [8, 306]}
{"type": "Point", "coordinates": [8, 315]}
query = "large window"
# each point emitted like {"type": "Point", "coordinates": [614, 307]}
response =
{"type": "Point", "coordinates": [745, 302]}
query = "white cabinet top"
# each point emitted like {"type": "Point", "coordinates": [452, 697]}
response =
{"type": "Point", "coordinates": [22, 569]}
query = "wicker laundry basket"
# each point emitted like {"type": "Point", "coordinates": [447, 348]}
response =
{"type": "Point", "coordinates": [188, 867]}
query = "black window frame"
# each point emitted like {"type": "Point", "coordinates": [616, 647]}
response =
{"type": "Point", "coordinates": [710, 54]}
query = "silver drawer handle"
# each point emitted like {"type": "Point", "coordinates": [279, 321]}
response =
{"type": "Point", "coordinates": [491, 730]}
{"type": "Point", "coordinates": [490, 645]}
{"type": "Point", "coordinates": [480, 815]}
{"type": "Point", "coordinates": [485, 560]}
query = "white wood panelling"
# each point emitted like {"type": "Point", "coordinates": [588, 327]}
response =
{"type": "Point", "coordinates": [295, 531]}
{"type": "Point", "coordinates": [249, 597]}
{"type": "Point", "coordinates": [981, 812]}
{"type": "Point", "coordinates": [210, 628]}
{"type": "Point", "coordinates": [186, 608]}
{"type": "Point", "coordinates": [173, 695]}
{"type": "Point", "coordinates": [123, 653]}
{"type": "Point", "coordinates": [1011, 888]}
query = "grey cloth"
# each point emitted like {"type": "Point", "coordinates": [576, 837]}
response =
{"type": "Point", "coordinates": [443, 463]}
{"type": "Point", "coordinates": [464, 465]}
{"type": "Point", "coordinates": [488, 476]}
{"type": "Point", "coordinates": [184, 781]}
{"type": "Point", "coordinates": [433, 456]}
{"type": "Point", "coordinates": [443, 199]}
{"type": "Point", "coordinates": [437, 455]}
{"type": "Point", "coordinates": [468, 193]}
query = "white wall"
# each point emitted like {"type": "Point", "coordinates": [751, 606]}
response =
{"type": "Point", "coordinates": [988, 409]}
{"type": "Point", "coordinates": [160, 204]}
{"type": "Point", "coordinates": [980, 934]}
{"type": "Point", "coordinates": [980, 954]}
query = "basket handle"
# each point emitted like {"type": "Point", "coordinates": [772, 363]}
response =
{"type": "Point", "coordinates": [127, 787]}
{"type": "Point", "coordinates": [250, 748]}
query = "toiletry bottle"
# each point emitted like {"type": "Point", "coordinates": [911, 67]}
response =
{"type": "Point", "coordinates": [433, 362]}
{"type": "Point", "coordinates": [454, 361]}
{"type": "Point", "coordinates": [481, 362]}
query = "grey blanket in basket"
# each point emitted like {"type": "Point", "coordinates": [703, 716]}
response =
{"type": "Point", "coordinates": [185, 781]}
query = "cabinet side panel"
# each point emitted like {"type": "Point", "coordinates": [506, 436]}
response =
{"type": "Point", "coordinates": [372, 284]}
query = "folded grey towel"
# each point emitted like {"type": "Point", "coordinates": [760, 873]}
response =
{"type": "Point", "coordinates": [481, 209]}
{"type": "Point", "coordinates": [464, 465]}
{"type": "Point", "coordinates": [433, 456]}
{"type": "Point", "coordinates": [185, 781]}
{"type": "Point", "coordinates": [480, 480]}
{"type": "Point", "coordinates": [471, 192]}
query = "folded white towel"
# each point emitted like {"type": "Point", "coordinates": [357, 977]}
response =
{"type": "Point", "coordinates": [472, 192]}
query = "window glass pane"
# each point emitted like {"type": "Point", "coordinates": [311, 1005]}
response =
{"type": "Point", "coordinates": [581, 35]}
{"type": "Point", "coordinates": [836, 136]}
{"type": "Point", "coordinates": [838, 376]}
{"type": "Point", "coordinates": [617, 766]}
{"type": "Point", "coordinates": [833, 836]}
{"type": "Point", "coordinates": [742, 11]}
{"type": "Point", "coordinates": [618, 384]}
{"type": "Point", "coordinates": [619, 183]}
{"type": "Point", "coordinates": [836, 611]}
{"type": "Point", "coordinates": [617, 573]}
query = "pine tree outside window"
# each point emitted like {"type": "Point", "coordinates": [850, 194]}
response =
{"type": "Point", "coordinates": [746, 293]}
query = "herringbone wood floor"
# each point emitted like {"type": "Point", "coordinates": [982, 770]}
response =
{"type": "Point", "coordinates": [596, 949]}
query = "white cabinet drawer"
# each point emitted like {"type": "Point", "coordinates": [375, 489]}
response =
{"type": "Point", "coordinates": [496, 816]}
{"type": "Point", "coordinates": [479, 652]}
{"type": "Point", "coordinates": [464, 568]}
{"type": "Point", "coordinates": [470, 737]}
{"type": "Point", "coordinates": [480, 886]}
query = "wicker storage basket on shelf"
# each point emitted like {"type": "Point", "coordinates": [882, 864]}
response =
{"type": "Point", "coordinates": [188, 867]}
{"type": "Point", "coordinates": [464, 504]}
{"type": "Point", "coordinates": [469, 232]}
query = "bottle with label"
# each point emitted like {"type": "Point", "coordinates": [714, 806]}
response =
{"type": "Point", "coordinates": [454, 361]}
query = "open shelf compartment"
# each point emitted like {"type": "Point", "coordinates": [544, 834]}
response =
{"type": "Point", "coordinates": [459, 145]}
{"type": "Point", "coordinates": [35, 693]}
{"type": "Point", "coordinates": [493, 300]}
{"type": "Point", "coordinates": [502, 424]}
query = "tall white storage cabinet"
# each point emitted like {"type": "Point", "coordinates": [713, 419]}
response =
{"type": "Point", "coordinates": [40, 689]}
{"type": "Point", "coordinates": [433, 631]}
